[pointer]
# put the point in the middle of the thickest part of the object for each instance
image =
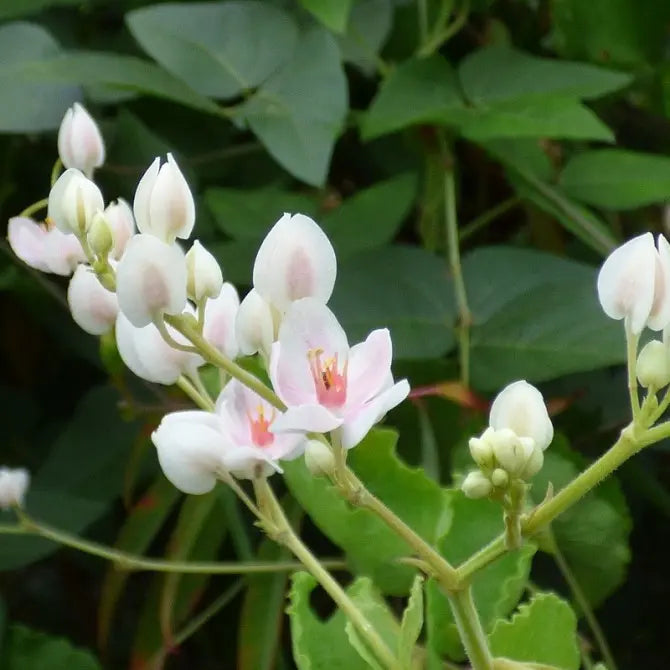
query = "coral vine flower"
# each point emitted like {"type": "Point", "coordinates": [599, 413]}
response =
{"type": "Point", "coordinates": [325, 383]}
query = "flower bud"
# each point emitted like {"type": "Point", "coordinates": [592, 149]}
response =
{"type": "Point", "coordinates": [295, 260]}
{"type": "Point", "coordinates": [203, 274]}
{"type": "Point", "coordinates": [100, 236]}
{"type": "Point", "coordinates": [476, 485]}
{"type": "Point", "coordinates": [122, 223]}
{"type": "Point", "coordinates": [73, 202]}
{"type": "Point", "coordinates": [319, 458]}
{"type": "Point", "coordinates": [533, 464]}
{"type": "Point", "coordinates": [164, 205]}
{"type": "Point", "coordinates": [254, 325]}
{"type": "Point", "coordinates": [481, 451]}
{"type": "Point", "coordinates": [653, 365]}
{"type": "Point", "coordinates": [80, 143]}
{"type": "Point", "coordinates": [500, 478]}
{"type": "Point", "coordinates": [93, 307]}
{"type": "Point", "coordinates": [150, 280]}
{"type": "Point", "coordinates": [512, 452]}
{"type": "Point", "coordinates": [220, 316]}
{"type": "Point", "coordinates": [13, 487]}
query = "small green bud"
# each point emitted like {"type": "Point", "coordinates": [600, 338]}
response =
{"type": "Point", "coordinates": [653, 366]}
{"type": "Point", "coordinates": [99, 236]}
{"type": "Point", "coordinates": [476, 485]}
{"type": "Point", "coordinates": [481, 452]}
{"type": "Point", "coordinates": [499, 478]}
{"type": "Point", "coordinates": [319, 458]}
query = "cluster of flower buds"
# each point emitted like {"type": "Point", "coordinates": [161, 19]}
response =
{"type": "Point", "coordinates": [512, 447]}
{"type": "Point", "coordinates": [129, 272]}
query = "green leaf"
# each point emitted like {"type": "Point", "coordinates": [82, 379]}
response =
{"type": "Point", "coordinates": [496, 589]}
{"type": "Point", "coordinates": [334, 14]}
{"type": "Point", "coordinates": [403, 288]}
{"type": "Point", "coordinates": [28, 106]}
{"type": "Point", "coordinates": [417, 91]}
{"type": "Point", "coordinates": [28, 649]}
{"type": "Point", "coordinates": [220, 48]}
{"type": "Point", "coordinates": [10, 9]}
{"type": "Point", "coordinates": [497, 73]}
{"type": "Point", "coordinates": [236, 259]}
{"type": "Point", "coordinates": [411, 624]}
{"type": "Point", "coordinates": [298, 113]}
{"type": "Point", "coordinates": [617, 179]}
{"type": "Point", "coordinates": [318, 645]}
{"type": "Point", "coordinates": [542, 631]}
{"type": "Point", "coordinates": [3, 623]}
{"type": "Point", "coordinates": [370, 545]}
{"type": "Point", "coordinates": [544, 324]}
{"type": "Point", "coordinates": [137, 533]}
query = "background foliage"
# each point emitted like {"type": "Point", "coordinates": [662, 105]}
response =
{"type": "Point", "coordinates": [547, 119]}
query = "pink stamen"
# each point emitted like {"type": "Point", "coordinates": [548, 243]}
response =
{"type": "Point", "coordinates": [260, 428]}
{"type": "Point", "coordinates": [329, 382]}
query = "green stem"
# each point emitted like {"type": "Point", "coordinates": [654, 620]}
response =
{"type": "Point", "coordinates": [470, 628]}
{"type": "Point", "coordinates": [486, 217]}
{"type": "Point", "coordinates": [131, 562]}
{"type": "Point", "coordinates": [441, 36]}
{"type": "Point", "coordinates": [284, 533]}
{"type": "Point", "coordinates": [512, 517]}
{"type": "Point", "coordinates": [55, 171]}
{"type": "Point", "coordinates": [485, 556]}
{"type": "Point", "coordinates": [187, 387]}
{"type": "Point", "coordinates": [160, 324]}
{"type": "Point", "coordinates": [35, 207]}
{"type": "Point", "coordinates": [631, 355]}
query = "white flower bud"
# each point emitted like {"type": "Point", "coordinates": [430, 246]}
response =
{"type": "Point", "coordinates": [164, 205]}
{"type": "Point", "coordinates": [93, 307]}
{"type": "Point", "coordinates": [73, 201]}
{"type": "Point", "coordinates": [500, 478]}
{"type": "Point", "coordinates": [122, 223]}
{"type": "Point", "coordinates": [80, 143]}
{"type": "Point", "coordinates": [254, 325]}
{"type": "Point", "coordinates": [533, 464]}
{"type": "Point", "coordinates": [653, 365]}
{"type": "Point", "coordinates": [203, 274]}
{"type": "Point", "coordinates": [150, 280]}
{"type": "Point", "coordinates": [512, 452]}
{"type": "Point", "coordinates": [476, 485]}
{"type": "Point", "coordinates": [481, 452]}
{"type": "Point", "coordinates": [100, 236]}
{"type": "Point", "coordinates": [220, 316]}
{"type": "Point", "coordinates": [319, 458]}
{"type": "Point", "coordinates": [13, 487]}
{"type": "Point", "coordinates": [296, 260]}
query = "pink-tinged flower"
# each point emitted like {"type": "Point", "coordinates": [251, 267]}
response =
{"type": "Point", "coordinates": [80, 143]}
{"type": "Point", "coordinates": [164, 204]}
{"type": "Point", "coordinates": [634, 283]}
{"type": "Point", "coordinates": [93, 307]}
{"type": "Point", "coordinates": [121, 222]}
{"type": "Point", "coordinates": [295, 260]}
{"type": "Point", "coordinates": [149, 356]}
{"type": "Point", "coordinates": [220, 314]}
{"type": "Point", "coordinates": [255, 325]}
{"type": "Point", "coordinates": [44, 248]}
{"type": "Point", "coordinates": [73, 202]}
{"type": "Point", "coordinates": [13, 486]}
{"type": "Point", "coordinates": [151, 280]}
{"type": "Point", "coordinates": [324, 383]}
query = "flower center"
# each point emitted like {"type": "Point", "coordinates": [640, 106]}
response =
{"type": "Point", "coordinates": [260, 428]}
{"type": "Point", "coordinates": [329, 382]}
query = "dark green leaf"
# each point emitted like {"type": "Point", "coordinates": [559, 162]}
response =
{"type": "Point", "coordinates": [369, 25]}
{"type": "Point", "coordinates": [334, 14]}
{"type": "Point", "coordinates": [220, 48]}
{"type": "Point", "coordinates": [10, 9]}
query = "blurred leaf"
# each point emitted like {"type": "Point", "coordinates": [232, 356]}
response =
{"type": "Point", "coordinates": [27, 106]}
{"type": "Point", "coordinates": [299, 112]}
{"type": "Point", "coordinates": [236, 259]}
{"type": "Point", "coordinates": [81, 477]}
{"type": "Point", "coordinates": [370, 545]}
{"type": "Point", "coordinates": [136, 535]}
{"type": "Point", "coordinates": [3, 623]}
{"type": "Point", "coordinates": [27, 649]}
{"type": "Point", "coordinates": [542, 631]}
{"type": "Point", "coordinates": [403, 288]}
{"type": "Point", "coordinates": [369, 25]}
{"type": "Point", "coordinates": [545, 323]}
{"type": "Point", "coordinates": [10, 9]}
{"type": "Point", "coordinates": [617, 179]}
{"type": "Point", "coordinates": [496, 589]}
{"type": "Point", "coordinates": [318, 645]}
{"type": "Point", "coordinates": [220, 49]}
{"type": "Point", "coordinates": [412, 623]}
{"type": "Point", "coordinates": [334, 14]}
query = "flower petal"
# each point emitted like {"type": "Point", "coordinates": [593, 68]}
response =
{"type": "Point", "coordinates": [306, 418]}
{"type": "Point", "coordinates": [93, 307]}
{"type": "Point", "coordinates": [141, 204]}
{"type": "Point", "coordinates": [369, 367]}
{"type": "Point", "coordinates": [659, 317]}
{"type": "Point", "coordinates": [27, 240]}
{"type": "Point", "coordinates": [254, 326]}
{"type": "Point", "coordinates": [220, 318]}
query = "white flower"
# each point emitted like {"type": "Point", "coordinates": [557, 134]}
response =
{"type": "Point", "coordinates": [150, 280]}
{"type": "Point", "coordinates": [220, 316]}
{"type": "Point", "coordinates": [326, 384]}
{"type": "Point", "coordinates": [43, 248]}
{"type": "Point", "coordinates": [295, 260]}
{"type": "Point", "coordinates": [203, 274]}
{"type": "Point", "coordinates": [476, 485]}
{"type": "Point", "coordinates": [93, 307]}
{"type": "Point", "coordinates": [73, 202]}
{"type": "Point", "coordinates": [119, 216]}
{"type": "Point", "coordinates": [13, 487]}
{"type": "Point", "coordinates": [80, 143]}
{"type": "Point", "coordinates": [255, 325]}
{"type": "Point", "coordinates": [164, 204]}
{"type": "Point", "coordinates": [634, 283]}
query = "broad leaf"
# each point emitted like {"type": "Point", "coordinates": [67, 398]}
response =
{"type": "Point", "coordinates": [220, 48]}
{"type": "Point", "coordinates": [334, 14]}
{"type": "Point", "coordinates": [10, 9]}
{"type": "Point", "coordinates": [370, 545]}
{"type": "Point", "coordinates": [299, 112]}
{"type": "Point", "coordinates": [542, 631]}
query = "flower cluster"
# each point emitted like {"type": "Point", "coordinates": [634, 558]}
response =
{"type": "Point", "coordinates": [131, 276]}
